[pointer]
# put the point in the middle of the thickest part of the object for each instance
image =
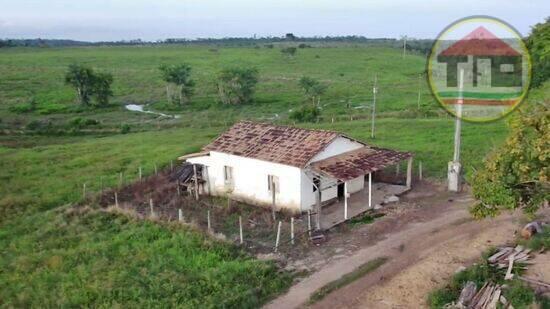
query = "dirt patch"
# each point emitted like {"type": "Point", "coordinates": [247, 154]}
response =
{"type": "Point", "coordinates": [540, 270]}
{"type": "Point", "coordinates": [221, 214]}
{"type": "Point", "coordinates": [405, 225]}
{"type": "Point", "coordinates": [424, 266]}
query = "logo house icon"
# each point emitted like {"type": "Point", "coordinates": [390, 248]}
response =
{"type": "Point", "coordinates": [494, 72]}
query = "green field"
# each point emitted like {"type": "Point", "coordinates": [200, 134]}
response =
{"type": "Point", "coordinates": [34, 73]}
{"type": "Point", "coordinates": [54, 256]}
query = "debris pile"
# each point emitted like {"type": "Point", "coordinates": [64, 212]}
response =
{"type": "Point", "coordinates": [507, 256]}
{"type": "Point", "coordinates": [488, 297]}
{"type": "Point", "coordinates": [531, 229]}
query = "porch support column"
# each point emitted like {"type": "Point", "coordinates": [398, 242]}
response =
{"type": "Point", "coordinates": [196, 182]}
{"type": "Point", "coordinates": [409, 172]}
{"type": "Point", "coordinates": [370, 189]}
{"type": "Point", "coordinates": [345, 200]}
{"type": "Point", "coordinates": [318, 212]}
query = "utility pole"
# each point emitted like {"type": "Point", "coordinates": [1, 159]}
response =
{"type": "Point", "coordinates": [374, 91]}
{"type": "Point", "coordinates": [404, 45]}
{"type": "Point", "coordinates": [419, 86]}
{"type": "Point", "coordinates": [454, 168]}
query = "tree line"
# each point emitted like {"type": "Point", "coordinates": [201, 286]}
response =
{"type": "Point", "coordinates": [235, 86]}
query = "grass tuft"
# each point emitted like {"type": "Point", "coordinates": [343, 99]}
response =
{"type": "Point", "coordinates": [347, 279]}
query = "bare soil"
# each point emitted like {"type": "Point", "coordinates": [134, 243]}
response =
{"type": "Point", "coordinates": [540, 270]}
{"type": "Point", "coordinates": [427, 237]}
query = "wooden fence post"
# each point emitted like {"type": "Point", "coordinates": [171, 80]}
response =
{"type": "Point", "coordinates": [278, 236]}
{"type": "Point", "coordinates": [397, 169]}
{"type": "Point", "coordinates": [156, 171]}
{"type": "Point", "coordinates": [116, 200]}
{"type": "Point", "coordinates": [309, 222]}
{"type": "Point", "coordinates": [140, 172]}
{"type": "Point", "coordinates": [241, 229]}
{"type": "Point", "coordinates": [273, 193]}
{"type": "Point", "coordinates": [208, 220]}
{"type": "Point", "coordinates": [151, 207]}
{"type": "Point", "coordinates": [292, 230]}
{"type": "Point", "coordinates": [180, 215]}
{"type": "Point", "coordinates": [420, 170]}
{"type": "Point", "coordinates": [84, 190]}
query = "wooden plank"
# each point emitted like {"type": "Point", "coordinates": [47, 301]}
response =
{"type": "Point", "coordinates": [479, 294]}
{"type": "Point", "coordinates": [534, 281]}
{"type": "Point", "coordinates": [495, 257]}
{"type": "Point", "coordinates": [494, 299]}
{"type": "Point", "coordinates": [509, 274]}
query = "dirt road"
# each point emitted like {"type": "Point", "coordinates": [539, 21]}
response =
{"type": "Point", "coordinates": [422, 254]}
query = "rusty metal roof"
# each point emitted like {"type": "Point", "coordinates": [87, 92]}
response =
{"type": "Point", "coordinates": [268, 142]}
{"type": "Point", "coordinates": [358, 162]}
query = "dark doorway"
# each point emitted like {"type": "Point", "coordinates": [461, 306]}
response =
{"type": "Point", "coordinates": [340, 191]}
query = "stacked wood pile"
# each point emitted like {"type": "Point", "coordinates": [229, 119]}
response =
{"type": "Point", "coordinates": [509, 258]}
{"type": "Point", "coordinates": [506, 257]}
{"type": "Point", "coordinates": [488, 297]}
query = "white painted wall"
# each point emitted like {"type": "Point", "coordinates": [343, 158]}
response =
{"type": "Point", "coordinates": [356, 184]}
{"type": "Point", "coordinates": [250, 180]}
{"type": "Point", "coordinates": [338, 146]}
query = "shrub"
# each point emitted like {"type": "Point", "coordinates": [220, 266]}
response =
{"type": "Point", "coordinates": [82, 122]}
{"type": "Point", "coordinates": [518, 173]}
{"type": "Point", "coordinates": [519, 294]}
{"type": "Point", "coordinates": [21, 108]}
{"type": "Point", "coordinates": [237, 85]}
{"type": "Point", "coordinates": [268, 46]}
{"type": "Point", "coordinates": [125, 128]}
{"type": "Point", "coordinates": [305, 114]}
{"type": "Point", "coordinates": [34, 125]}
{"type": "Point", "coordinates": [24, 107]}
{"type": "Point", "coordinates": [289, 51]}
{"type": "Point", "coordinates": [52, 108]}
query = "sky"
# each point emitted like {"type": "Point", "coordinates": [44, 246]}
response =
{"type": "Point", "coordinates": [107, 20]}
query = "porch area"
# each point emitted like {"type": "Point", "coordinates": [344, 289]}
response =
{"type": "Point", "coordinates": [334, 213]}
{"type": "Point", "coordinates": [361, 181]}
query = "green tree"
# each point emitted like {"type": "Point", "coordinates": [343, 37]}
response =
{"type": "Point", "coordinates": [289, 51]}
{"type": "Point", "coordinates": [538, 44]}
{"type": "Point", "coordinates": [313, 89]}
{"type": "Point", "coordinates": [82, 79]}
{"type": "Point", "coordinates": [179, 75]}
{"type": "Point", "coordinates": [101, 88]}
{"type": "Point", "coordinates": [237, 85]}
{"type": "Point", "coordinates": [517, 175]}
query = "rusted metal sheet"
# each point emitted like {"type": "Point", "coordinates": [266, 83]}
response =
{"type": "Point", "coordinates": [358, 162]}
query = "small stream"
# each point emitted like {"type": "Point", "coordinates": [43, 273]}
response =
{"type": "Point", "coordinates": [141, 109]}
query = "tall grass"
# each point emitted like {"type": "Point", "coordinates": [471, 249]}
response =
{"type": "Point", "coordinates": [74, 258]}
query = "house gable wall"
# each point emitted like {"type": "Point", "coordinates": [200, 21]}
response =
{"type": "Point", "coordinates": [337, 146]}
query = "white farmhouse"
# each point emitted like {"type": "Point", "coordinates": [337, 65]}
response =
{"type": "Point", "coordinates": [289, 167]}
